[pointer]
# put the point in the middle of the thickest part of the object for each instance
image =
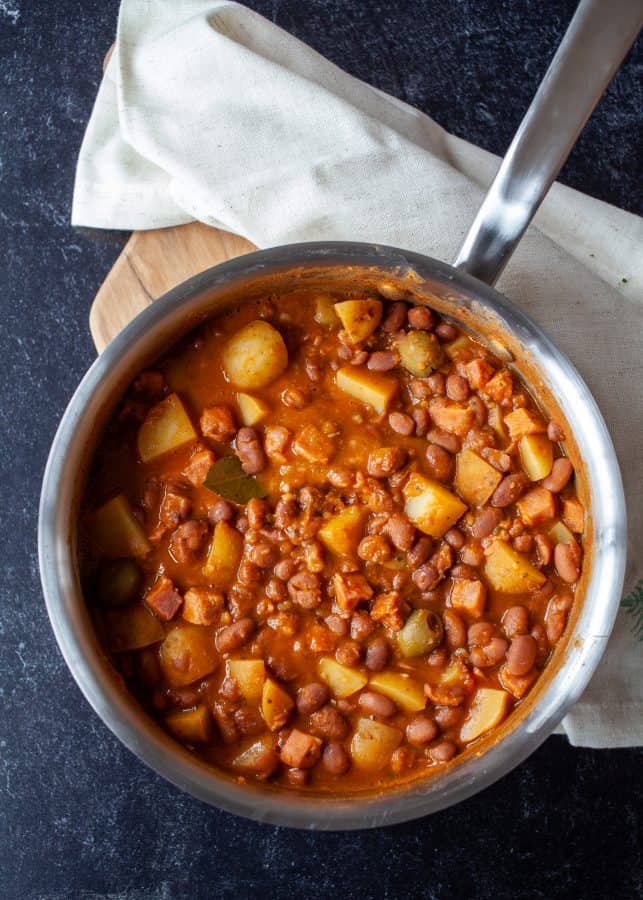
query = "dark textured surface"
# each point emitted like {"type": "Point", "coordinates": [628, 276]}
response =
{"type": "Point", "coordinates": [79, 815]}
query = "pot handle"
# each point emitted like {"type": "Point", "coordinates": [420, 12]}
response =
{"type": "Point", "coordinates": [599, 35]}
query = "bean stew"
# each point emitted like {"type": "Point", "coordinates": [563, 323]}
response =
{"type": "Point", "coordinates": [330, 540]}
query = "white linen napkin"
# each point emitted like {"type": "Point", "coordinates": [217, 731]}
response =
{"type": "Point", "coordinates": [208, 111]}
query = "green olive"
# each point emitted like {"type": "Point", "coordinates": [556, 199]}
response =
{"type": "Point", "coordinates": [423, 631]}
{"type": "Point", "coordinates": [118, 583]}
{"type": "Point", "coordinates": [420, 352]}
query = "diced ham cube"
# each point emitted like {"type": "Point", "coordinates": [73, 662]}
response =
{"type": "Point", "coordinates": [202, 606]}
{"type": "Point", "coordinates": [199, 465]}
{"type": "Point", "coordinates": [386, 609]}
{"type": "Point", "coordinates": [301, 750]}
{"type": "Point", "coordinates": [351, 590]}
{"type": "Point", "coordinates": [469, 595]}
{"type": "Point", "coordinates": [163, 599]}
{"type": "Point", "coordinates": [538, 506]}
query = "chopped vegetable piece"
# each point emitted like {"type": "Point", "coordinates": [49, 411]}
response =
{"type": "Point", "coordinates": [251, 409]}
{"type": "Point", "coordinates": [560, 533]}
{"type": "Point", "coordinates": [488, 708]}
{"type": "Point", "coordinates": [510, 572]}
{"type": "Point", "coordinates": [342, 532]}
{"type": "Point", "coordinates": [224, 556]}
{"type": "Point", "coordinates": [405, 691]}
{"type": "Point", "coordinates": [118, 583]}
{"type": "Point", "coordinates": [475, 479]}
{"type": "Point", "coordinates": [166, 427]}
{"type": "Point", "coordinates": [188, 654]}
{"type": "Point", "coordinates": [325, 314]}
{"type": "Point", "coordinates": [250, 675]}
{"type": "Point", "coordinates": [131, 628]}
{"type": "Point", "coordinates": [536, 455]}
{"type": "Point", "coordinates": [373, 744]}
{"type": "Point", "coordinates": [116, 531]}
{"type": "Point", "coordinates": [368, 387]}
{"type": "Point", "coordinates": [340, 679]}
{"type": "Point", "coordinates": [276, 705]}
{"type": "Point", "coordinates": [260, 759]}
{"type": "Point", "coordinates": [430, 506]}
{"type": "Point", "coordinates": [191, 726]}
{"type": "Point", "coordinates": [255, 355]}
{"type": "Point", "coordinates": [360, 318]}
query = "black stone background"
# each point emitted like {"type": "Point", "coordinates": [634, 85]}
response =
{"type": "Point", "coordinates": [79, 815]}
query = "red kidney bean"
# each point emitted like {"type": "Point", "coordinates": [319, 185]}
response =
{"type": "Point", "coordinates": [515, 621]}
{"type": "Point", "coordinates": [312, 697]}
{"type": "Point", "coordinates": [509, 490]}
{"type": "Point", "coordinates": [539, 634]}
{"type": "Point", "coordinates": [444, 439]}
{"type": "Point", "coordinates": [455, 538]}
{"type": "Point", "coordinates": [457, 387]}
{"type": "Point", "coordinates": [298, 777]}
{"type": "Point", "coordinates": [276, 590]}
{"type": "Point", "coordinates": [422, 420]}
{"type": "Point", "coordinates": [420, 388]}
{"type": "Point", "coordinates": [479, 634]}
{"type": "Point", "coordinates": [234, 636]}
{"type": "Point", "coordinates": [544, 549]}
{"type": "Point", "coordinates": [490, 654]}
{"type": "Point", "coordinates": [314, 371]}
{"type": "Point", "coordinates": [335, 759]}
{"type": "Point", "coordinates": [348, 653]}
{"type": "Point", "coordinates": [426, 577]}
{"type": "Point", "coordinates": [401, 531]}
{"type": "Point", "coordinates": [554, 432]}
{"type": "Point", "coordinates": [250, 452]}
{"type": "Point", "coordinates": [221, 511]}
{"type": "Point", "coordinates": [447, 716]}
{"type": "Point", "coordinates": [362, 626]}
{"type": "Point", "coordinates": [438, 658]}
{"type": "Point", "coordinates": [446, 332]}
{"type": "Point", "coordinates": [454, 629]}
{"type": "Point", "coordinates": [401, 423]}
{"type": "Point", "coordinates": [443, 752]}
{"type": "Point", "coordinates": [480, 412]}
{"type": "Point", "coordinates": [484, 522]}
{"type": "Point", "coordinates": [378, 654]}
{"type": "Point", "coordinates": [336, 624]}
{"type": "Point", "coordinates": [556, 616]}
{"type": "Point", "coordinates": [328, 723]}
{"type": "Point", "coordinates": [375, 704]}
{"type": "Point", "coordinates": [544, 592]}
{"type": "Point", "coordinates": [264, 555]}
{"type": "Point", "coordinates": [463, 570]}
{"type": "Point", "coordinates": [523, 543]}
{"type": "Point", "coordinates": [561, 471]}
{"type": "Point", "coordinates": [421, 729]}
{"type": "Point", "coordinates": [437, 383]}
{"type": "Point", "coordinates": [422, 318]}
{"type": "Point", "coordinates": [419, 552]}
{"type": "Point", "coordinates": [472, 554]}
{"type": "Point", "coordinates": [382, 361]}
{"type": "Point", "coordinates": [440, 462]}
{"type": "Point", "coordinates": [285, 569]}
{"type": "Point", "coordinates": [395, 318]}
{"type": "Point", "coordinates": [521, 654]}
{"type": "Point", "coordinates": [359, 358]}
{"type": "Point", "coordinates": [567, 562]}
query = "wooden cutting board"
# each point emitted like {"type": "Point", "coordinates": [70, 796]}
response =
{"type": "Point", "coordinates": [150, 264]}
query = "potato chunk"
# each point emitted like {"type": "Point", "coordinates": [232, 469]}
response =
{"type": "Point", "coordinates": [342, 532]}
{"type": "Point", "coordinates": [255, 355]}
{"type": "Point", "coordinates": [537, 506]}
{"type": "Point", "coordinates": [325, 314]}
{"type": "Point", "coordinates": [360, 318]}
{"type": "Point", "coordinates": [340, 679]}
{"type": "Point", "coordinates": [430, 506]}
{"type": "Point", "coordinates": [251, 409]}
{"type": "Point", "coordinates": [475, 479]}
{"type": "Point", "coordinates": [368, 387]}
{"type": "Point", "coordinates": [131, 629]}
{"type": "Point", "coordinates": [166, 427]}
{"type": "Point", "coordinates": [536, 455]}
{"type": "Point", "coordinates": [488, 708]}
{"type": "Point", "coordinates": [260, 759]}
{"type": "Point", "coordinates": [188, 654]}
{"type": "Point", "coordinates": [560, 533]}
{"type": "Point", "coordinates": [191, 726]}
{"type": "Point", "coordinates": [250, 675]}
{"type": "Point", "coordinates": [373, 744]}
{"type": "Point", "coordinates": [403, 690]}
{"type": "Point", "coordinates": [276, 705]}
{"type": "Point", "coordinates": [116, 531]}
{"type": "Point", "coordinates": [224, 556]}
{"type": "Point", "coordinates": [510, 572]}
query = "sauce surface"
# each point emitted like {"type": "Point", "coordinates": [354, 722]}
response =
{"type": "Point", "coordinates": [379, 563]}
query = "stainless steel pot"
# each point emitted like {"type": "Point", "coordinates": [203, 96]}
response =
{"type": "Point", "coordinates": [533, 160]}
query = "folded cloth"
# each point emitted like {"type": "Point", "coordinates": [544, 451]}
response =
{"type": "Point", "coordinates": [208, 111]}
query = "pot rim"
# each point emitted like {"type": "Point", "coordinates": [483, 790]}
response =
{"type": "Point", "coordinates": [123, 715]}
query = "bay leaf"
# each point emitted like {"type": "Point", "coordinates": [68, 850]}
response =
{"type": "Point", "coordinates": [227, 479]}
